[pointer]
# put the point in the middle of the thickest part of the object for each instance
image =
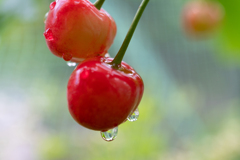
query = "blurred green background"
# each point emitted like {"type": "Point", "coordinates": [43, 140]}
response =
{"type": "Point", "coordinates": [189, 111]}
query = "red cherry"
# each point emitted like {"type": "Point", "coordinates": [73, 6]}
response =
{"type": "Point", "coordinates": [201, 18]}
{"type": "Point", "coordinates": [79, 29]}
{"type": "Point", "coordinates": [101, 97]}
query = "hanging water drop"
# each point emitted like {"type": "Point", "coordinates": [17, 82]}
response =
{"type": "Point", "coordinates": [110, 134]}
{"type": "Point", "coordinates": [45, 17]}
{"type": "Point", "coordinates": [107, 55]}
{"type": "Point", "coordinates": [71, 64]}
{"type": "Point", "coordinates": [52, 5]}
{"type": "Point", "coordinates": [67, 56]}
{"type": "Point", "coordinates": [48, 34]}
{"type": "Point", "coordinates": [134, 116]}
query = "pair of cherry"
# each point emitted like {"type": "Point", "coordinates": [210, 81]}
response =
{"type": "Point", "coordinates": [102, 92]}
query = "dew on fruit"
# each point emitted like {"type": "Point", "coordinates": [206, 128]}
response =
{"type": "Point", "coordinates": [107, 55]}
{"type": "Point", "coordinates": [134, 116]}
{"type": "Point", "coordinates": [52, 5]}
{"type": "Point", "coordinates": [71, 64]}
{"type": "Point", "coordinates": [48, 34]}
{"type": "Point", "coordinates": [110, 135]}
{"type": "Point", "coordinates": [45, 17]}
{"type": "Point", "coordinates": [67, 56]}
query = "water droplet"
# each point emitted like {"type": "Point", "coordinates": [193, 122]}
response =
{"type": "Point", "coordinates": [52, 5]}
{"type": "Point", "coordinates": [67, 56]}
{"type": "Point", "coordinates": [134, 116]}
{"type": "Point", "coordinates": [110, 134]}
{"type": "Point", "coordinates": [45, 17]}
{"type": "Point", "coordinates": [71, 64]}
{"type": "Point", "coordinates": [107, 55]}
{"type": "Point", "coordinates": [48, 34]}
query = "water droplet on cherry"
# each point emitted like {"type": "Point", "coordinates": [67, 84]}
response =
{"type": "Point", "coordinates": [45, 17]}
{"type": "Point", "coordinates": [107, 55]}
{"type": "Point", "coordinates": [48, 34]}
{"type": "Point", "coordinates": [134, 116]}
{"type": "Point", "coordinates": [67, 56]}
{"type": "Point", "coordinates": [52, 5]}
{"type": "Point", "coordinates": [110, 135]}
{"type": "Point", "coordinates": [71, 64]}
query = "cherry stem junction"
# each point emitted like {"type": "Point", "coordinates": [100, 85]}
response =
{"type": "Point", "coordinates": [98, 4]}
{"type": "Point", "coordinates": [118, 58]}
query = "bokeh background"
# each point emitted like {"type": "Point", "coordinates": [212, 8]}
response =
{"type": "Point", "coordinates": [189, 111]}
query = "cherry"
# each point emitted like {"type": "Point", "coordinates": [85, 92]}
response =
{"type": "Point", "coordinates": [202, 18]}
{"type": "Point", "coordinates": [101, 97]}
{"type": "Point", "coordinates": [103, 92]}
{"type": "Point", "coordinates": [76, 29]}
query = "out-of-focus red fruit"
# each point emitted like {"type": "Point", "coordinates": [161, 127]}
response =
{"type": "Point", "coordinates": [201, 18]}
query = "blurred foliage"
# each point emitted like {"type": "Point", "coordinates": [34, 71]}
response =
{"type": "Point", "coordinates": [228, 38]}
{"type": "Point", "coordinates": [231, 24]}
{"type": "Point", "coordinates": [54, 147]}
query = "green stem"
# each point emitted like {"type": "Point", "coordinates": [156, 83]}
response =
{"type": "Point", "coordinates": [98, 4]}
{"type": "Point", "coordinates": [118, 58]}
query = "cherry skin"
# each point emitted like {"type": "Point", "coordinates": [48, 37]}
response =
{"type": "Point", "coordinates": [202, 18]}
{"type": "Point", "coordinates": [76, 29]}
{"type": "Point", "coordinates": [101, 97]}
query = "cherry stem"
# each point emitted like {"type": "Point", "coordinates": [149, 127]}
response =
{"type": "Point", "coordinates": [98, 4]}
{"type": "Point", "coordinates": [118, 58]}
